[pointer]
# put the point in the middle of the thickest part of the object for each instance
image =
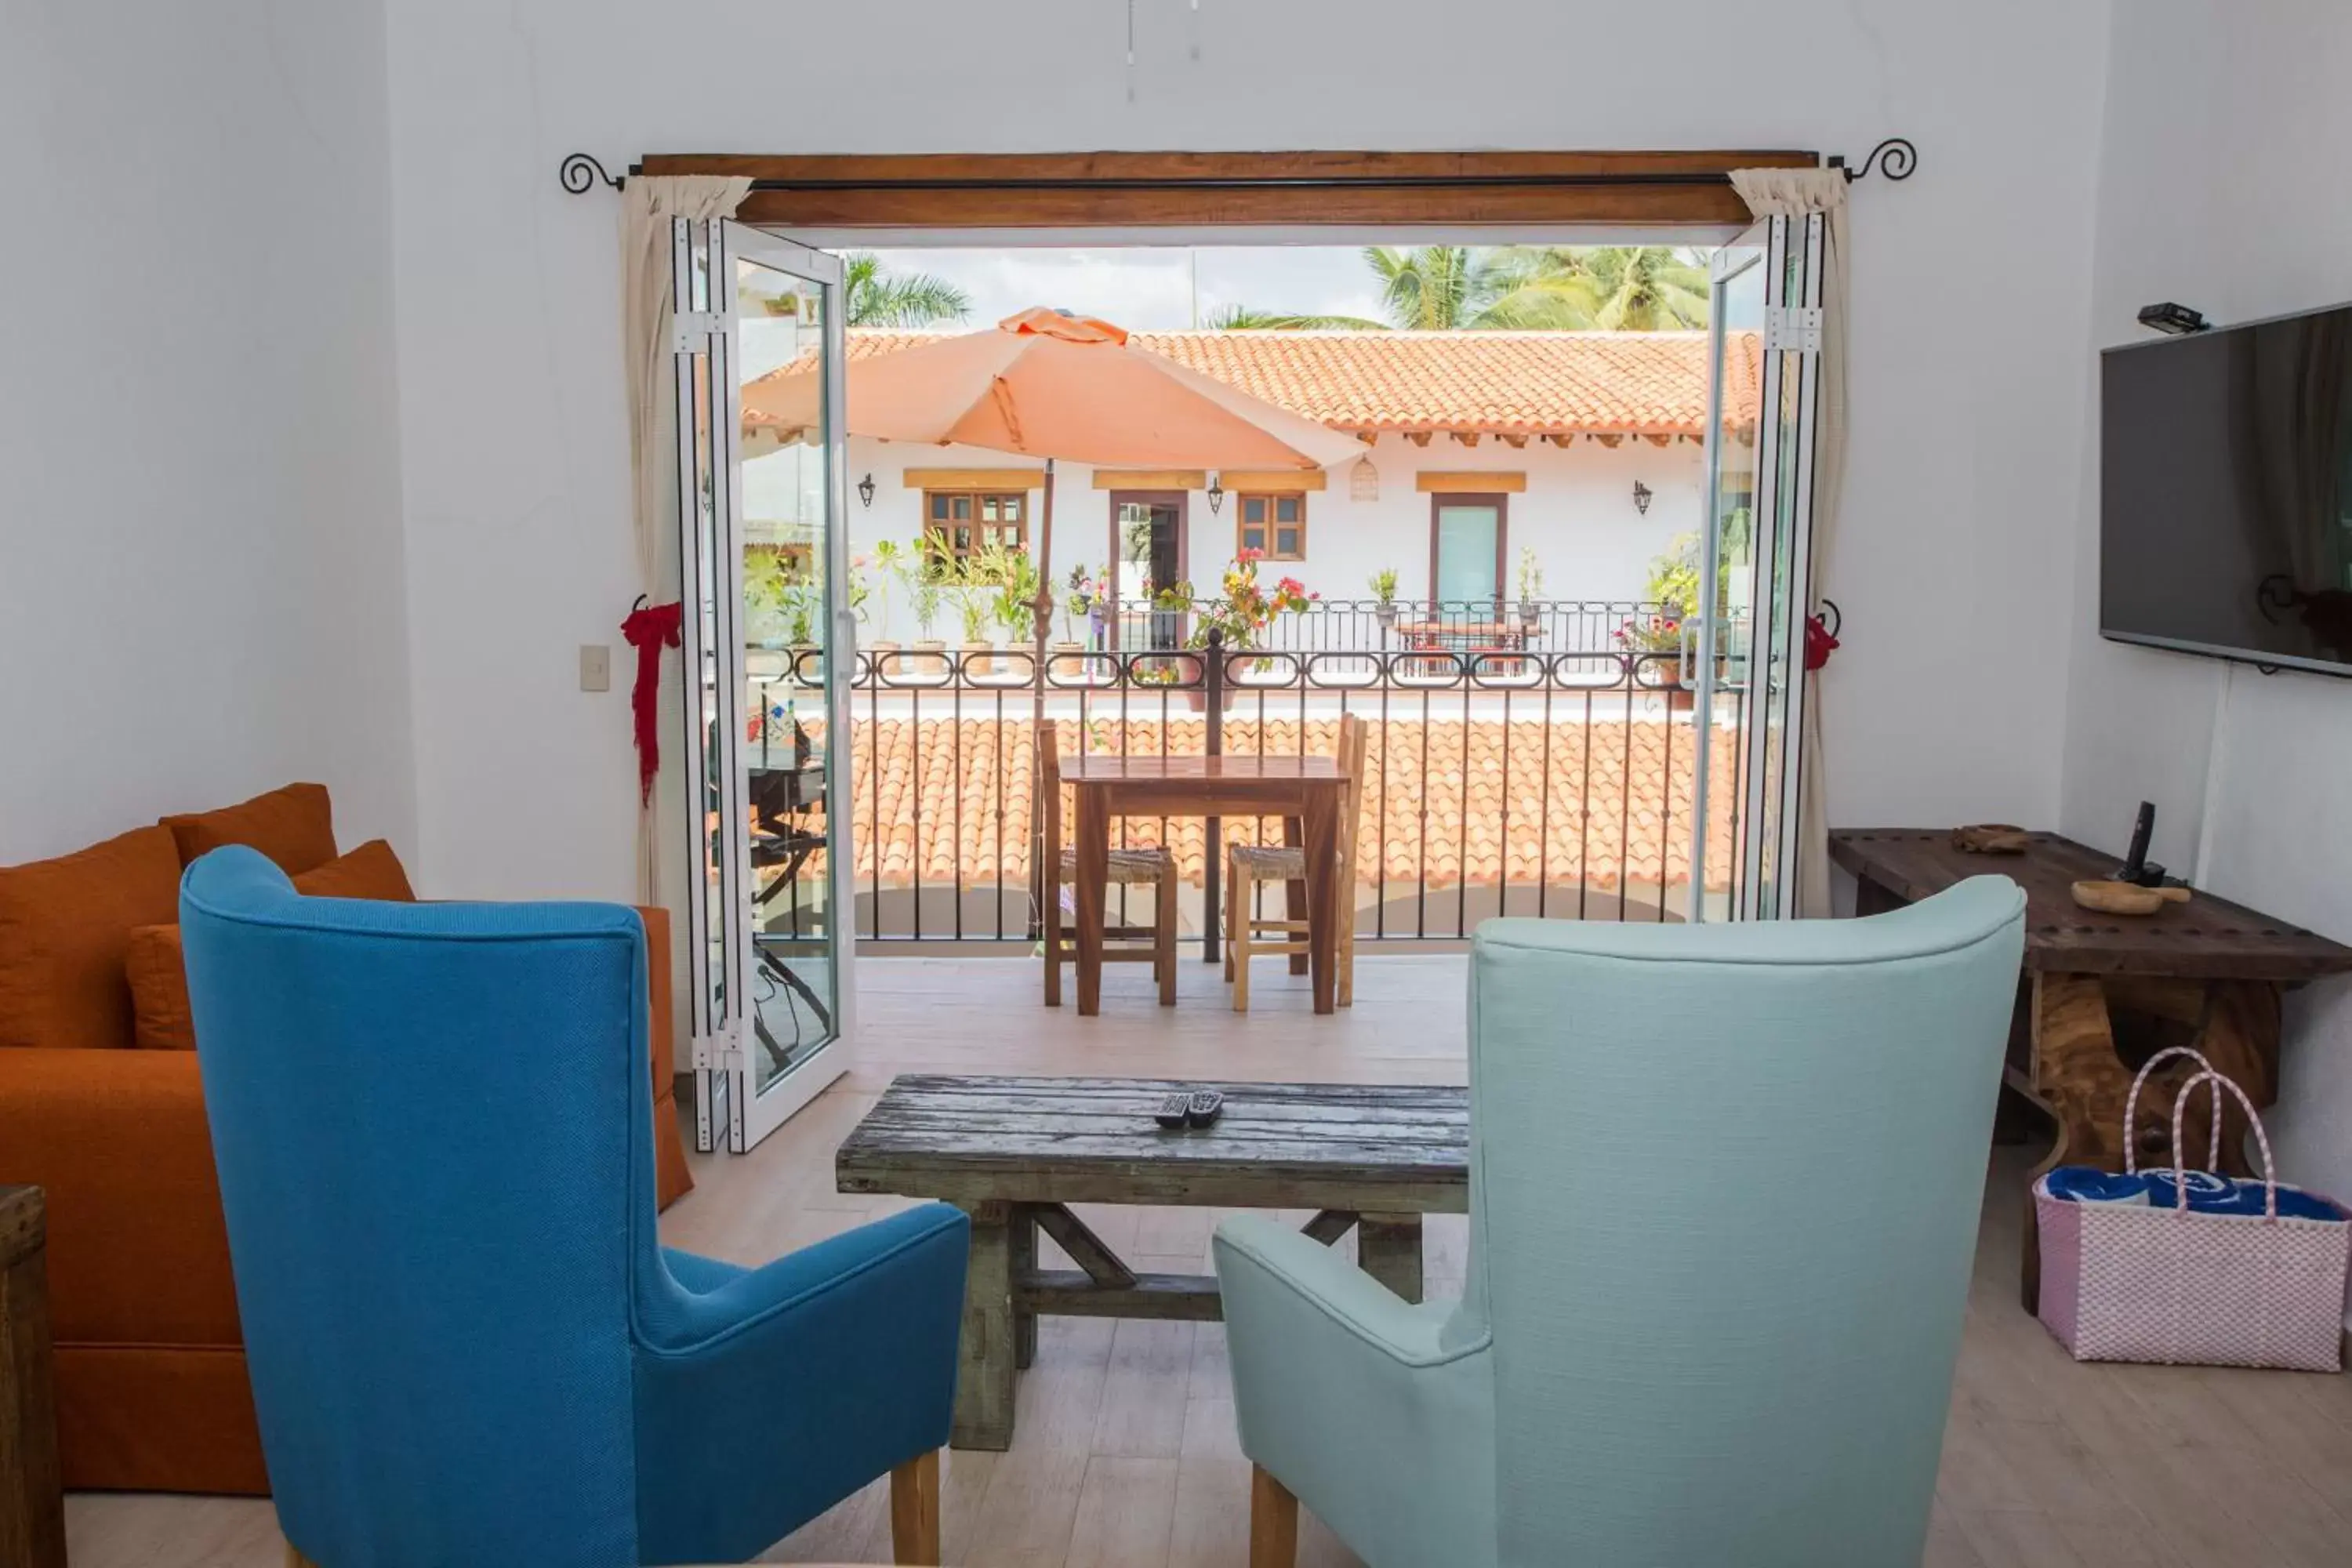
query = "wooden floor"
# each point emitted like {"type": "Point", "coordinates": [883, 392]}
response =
{"type": "Point", "coordinates": [1125, 1456]}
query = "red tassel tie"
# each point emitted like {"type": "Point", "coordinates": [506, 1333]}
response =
{"type": "Point", "coordinates": [649, 629]}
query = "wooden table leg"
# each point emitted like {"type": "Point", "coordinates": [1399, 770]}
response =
{"type": "Point", "coordinates": [1323, 897]}
{"type": "Point", "coordinates": [1387, 1247]}
{"type": "Point", "coordinates": [984, 1349]}
{"type": "Point", "coordinates": [1297, 902]}
{"type": "Point", "coordinates": [32, 1505]}
{"type": "Point", "coordinates": [1094, 876]}
{"type": "Point", "coordinates": [1021, 1261]}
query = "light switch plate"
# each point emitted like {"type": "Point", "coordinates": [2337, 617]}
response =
{"type": "Point", "coordinates": [595, 667]}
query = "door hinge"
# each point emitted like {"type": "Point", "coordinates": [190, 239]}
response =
{"type": "Point", "coordinates": [732, 1061]}
{"type": "Point", "coordinates": [691, 330]}
{"type": "Point", "coordinates": [1793, 329]}
{"type": "Point", "coordinates": [707, 1054]}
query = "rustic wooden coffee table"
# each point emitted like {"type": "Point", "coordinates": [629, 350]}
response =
{"type": "Point", "coordinates": [32, 1510]}
{"type": "Point", "coordinates": [1015, 1152]}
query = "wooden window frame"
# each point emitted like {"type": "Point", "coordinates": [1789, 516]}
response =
{"type": "Point", "coordinates": [1501, 501]}
{"type": "Point", "coordinates": [1271, 499]}
{"type": "Point", "coordinates": [938, 539]}
{"type": "Point", "coordinates": [1688, 188]}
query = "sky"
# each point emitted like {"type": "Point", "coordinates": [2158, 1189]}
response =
{"type": "Point", "coordinates": [1154, 288]}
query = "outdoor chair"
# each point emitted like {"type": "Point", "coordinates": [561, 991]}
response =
{"type": "Point", "coordinates": [1249, 866]}
{"type": "Point", "coordinates": [1724, 1189]}
{"type": "Point", "coordinates": [1155, 869]}
{"type": "Point", "coordinates": [432, 1124]}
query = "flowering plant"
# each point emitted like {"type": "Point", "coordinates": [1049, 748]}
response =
{"type": "Point", "coordinates": [1247, 608]}
{"type": "Point", "coordinates": [1650, 634]}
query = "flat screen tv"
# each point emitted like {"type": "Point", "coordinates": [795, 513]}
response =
{"type": "Point", "coordinates": [2225, 517]}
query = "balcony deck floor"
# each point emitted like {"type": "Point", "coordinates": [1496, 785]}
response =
{"type": "Point", "coordinates": [1125, 1454]}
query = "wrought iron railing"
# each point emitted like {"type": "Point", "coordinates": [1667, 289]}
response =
{"type": "Point", "coordinates": [1546, 776]}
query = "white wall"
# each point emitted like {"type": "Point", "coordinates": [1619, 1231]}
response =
{"type": "Point", "coordinates": [1969, 325]}
{"type": "Point", "coordinates": [1577, 514]}
{"type": "Point", "coordinates": [201, 571]}
{"type": "Point", "coordinates": [2221, 187]}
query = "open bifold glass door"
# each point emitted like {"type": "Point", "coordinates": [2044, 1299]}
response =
{"type": "Point", "coordinates": [1746, 653]}
{"type": "Point", "coordinates": [767, 641]}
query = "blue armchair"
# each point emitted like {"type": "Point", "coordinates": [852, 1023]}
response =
{"type": "Point", "coordinates": [1723, 1191]}
{"type": "Point", "coordinates": [466, 1345]}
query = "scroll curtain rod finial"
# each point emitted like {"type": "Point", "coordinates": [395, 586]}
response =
{"type": "Point", "coordinates": [580, 172]}
{"type": "Point", "coordinates": [1895, 158]}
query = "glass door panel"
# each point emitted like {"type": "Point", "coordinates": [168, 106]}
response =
{"type": "Point", "coordinates": [1748, 652]}
{"type": "Point", "coordinates": [765, 563]}
{"type": "Point", "coordinates": [1466, 552]}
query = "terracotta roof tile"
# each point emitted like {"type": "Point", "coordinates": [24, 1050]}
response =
{"type": "Point", "coordinates": [1602, 806]}
{"type": "Point", "coordinates": [1533, 383]}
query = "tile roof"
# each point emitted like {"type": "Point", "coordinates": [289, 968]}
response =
{"type": "Point", "coordinates": [1604, 805]}
{"type": "Point", "coordinates": [1527, 384]}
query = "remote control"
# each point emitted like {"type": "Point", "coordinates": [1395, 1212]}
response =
{"type": "Point", "coordinates": [1173, 1110]}
{"type": "Point", "coordinates": [1205, 1105]}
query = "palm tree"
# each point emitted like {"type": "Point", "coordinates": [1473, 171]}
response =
{"type": "Point", "coordinates": [1610, 288]}
{"type": "Point", "coordinates": [878, 298]}
{"type": "Point", "coordinates": [1445, 287]}
{"type": "Point", "coordinates": [1246, 319]}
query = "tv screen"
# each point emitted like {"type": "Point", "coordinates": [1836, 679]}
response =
{"type": "Point", "coordinates": [2225, 518]}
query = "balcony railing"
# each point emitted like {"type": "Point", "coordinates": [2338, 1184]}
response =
{"type": "Point", "coordinates": [1546, 774]}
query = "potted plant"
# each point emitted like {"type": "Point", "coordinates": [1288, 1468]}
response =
{"type": "Point", "coordinates": [1383, 583]}
{"type": "Point", "coordinates": [1531, 586]}
{"type": "Point", "coordinates": [926, 596]}
{"type": "Point", "coordinates": [1078, 606]}
{"type": "Point", "coordinates": [976, 603]}
{"type": "Point", "coordinates": [1655, 643]}
{"type": "Point", "coordinates": [1018, 586]}
{"type": "Point", "coordinates": [887, 564]}
{"type": "Point", "coordinates": [1244, 614]}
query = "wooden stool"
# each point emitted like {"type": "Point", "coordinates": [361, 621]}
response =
{"type": "Point", "coordinates": [1249, 865]}
{"type": "Point", "coordinates": [1154, 944]}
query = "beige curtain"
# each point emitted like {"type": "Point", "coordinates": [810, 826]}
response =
{"type": "Point", "coordinates": [1790, 193]}
{"type": "Point", "coordinates": [648, 205]}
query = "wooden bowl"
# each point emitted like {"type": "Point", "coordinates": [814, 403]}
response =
{"type": "Point", "coordinates": [1991, 838]}
{"type": "Point", "coordinates": [2126, 898]}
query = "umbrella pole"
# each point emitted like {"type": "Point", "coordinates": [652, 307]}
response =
{"type": "Point", "coordinates": [1038, 847]}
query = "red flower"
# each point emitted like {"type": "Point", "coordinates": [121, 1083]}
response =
{"type": "Point", "coordinates": [1250, 555]}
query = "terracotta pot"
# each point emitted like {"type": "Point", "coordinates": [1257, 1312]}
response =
{"type": "Point", "coordinates": [929, 659]}
{"type": "Point", "coordinates": [979, 659]}
{"type": "Point", "coordinates": [885, 661]}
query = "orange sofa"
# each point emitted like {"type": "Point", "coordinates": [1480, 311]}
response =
{"type": "Point", "coordinates": [150, 1380]}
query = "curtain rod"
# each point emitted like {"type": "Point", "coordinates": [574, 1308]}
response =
{"type": "Point", "coordinates": [1895, 158]}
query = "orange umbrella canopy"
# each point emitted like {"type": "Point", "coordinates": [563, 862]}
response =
{"type": "Point", "coordinates": [1051, 385]}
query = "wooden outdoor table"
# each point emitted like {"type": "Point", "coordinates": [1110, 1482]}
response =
{"type": "Point", "coordinates": [1015, 1152]}
{"type": "Point", "coordinates": [1305, 792]}
{"type": "Point", "coordinates": [32, 1505]}
{"type": "Point", "coordinates": [2101, 993]}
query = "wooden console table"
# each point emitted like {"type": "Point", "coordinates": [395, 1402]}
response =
{"type": "Point", "coordinates": [32, 1508]}
{"type": "Point", "coordinates": [1015, 1152]}
{"type": "Point", "coordinates": [2101, 993]}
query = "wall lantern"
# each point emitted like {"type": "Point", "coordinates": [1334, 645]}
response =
{"type": "Point", "coordinates": [1640, 497]}
{"type": "Point", "coordinates": [865, 491]}
{"type": "Point", "coordinates": [1216, 492]}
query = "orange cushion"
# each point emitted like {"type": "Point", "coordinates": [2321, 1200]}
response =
{"type": "Point", "coordinates": [370, 871]}
{"type": "Point", "coordinates": [65, 926]}
{"type": "Point", "coordinates": [293, 825]}
{"type": "Point", "coordinates": [159, 974]}
{"type": "Point", "coordinates": [158, 991]}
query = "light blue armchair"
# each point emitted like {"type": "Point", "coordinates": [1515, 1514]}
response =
{"type": "Point", "coordinates": [1724, 1191]}
{"type": "Point", "coordinates": [431, 1124]}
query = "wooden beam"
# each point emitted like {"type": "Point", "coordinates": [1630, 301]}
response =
{"type": "Point", "coordinates": [1271, 481]}
{"type": "Point", "coordinates": [1510, 439]}
{"type": "Point", "coordinates": [1610, 439]}
{"type": "Point", "coordinates": [1437, 482]}
{"type": "Point", "coordinates": [1467, 437]}
{"type": "Point", "coordinates": [1096, 190]}
{"type": "Point", "coordinates": [1087, 1249]}
{"type": "Point", "coordinates": [1068, 1293]}
{"type": "Point", "coordinates": [1328, 1225]}
{"type": "Point", "coordinates": [1561, 441]}
{"type": "Point", "coordinates": [1658, 440]}
{"type": "Point", "coordinates": [975, 479]}
{"type": "Point", "coordinates": [1152, 478]}
{"type": "Point", "coordinates": [1418, 438]}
